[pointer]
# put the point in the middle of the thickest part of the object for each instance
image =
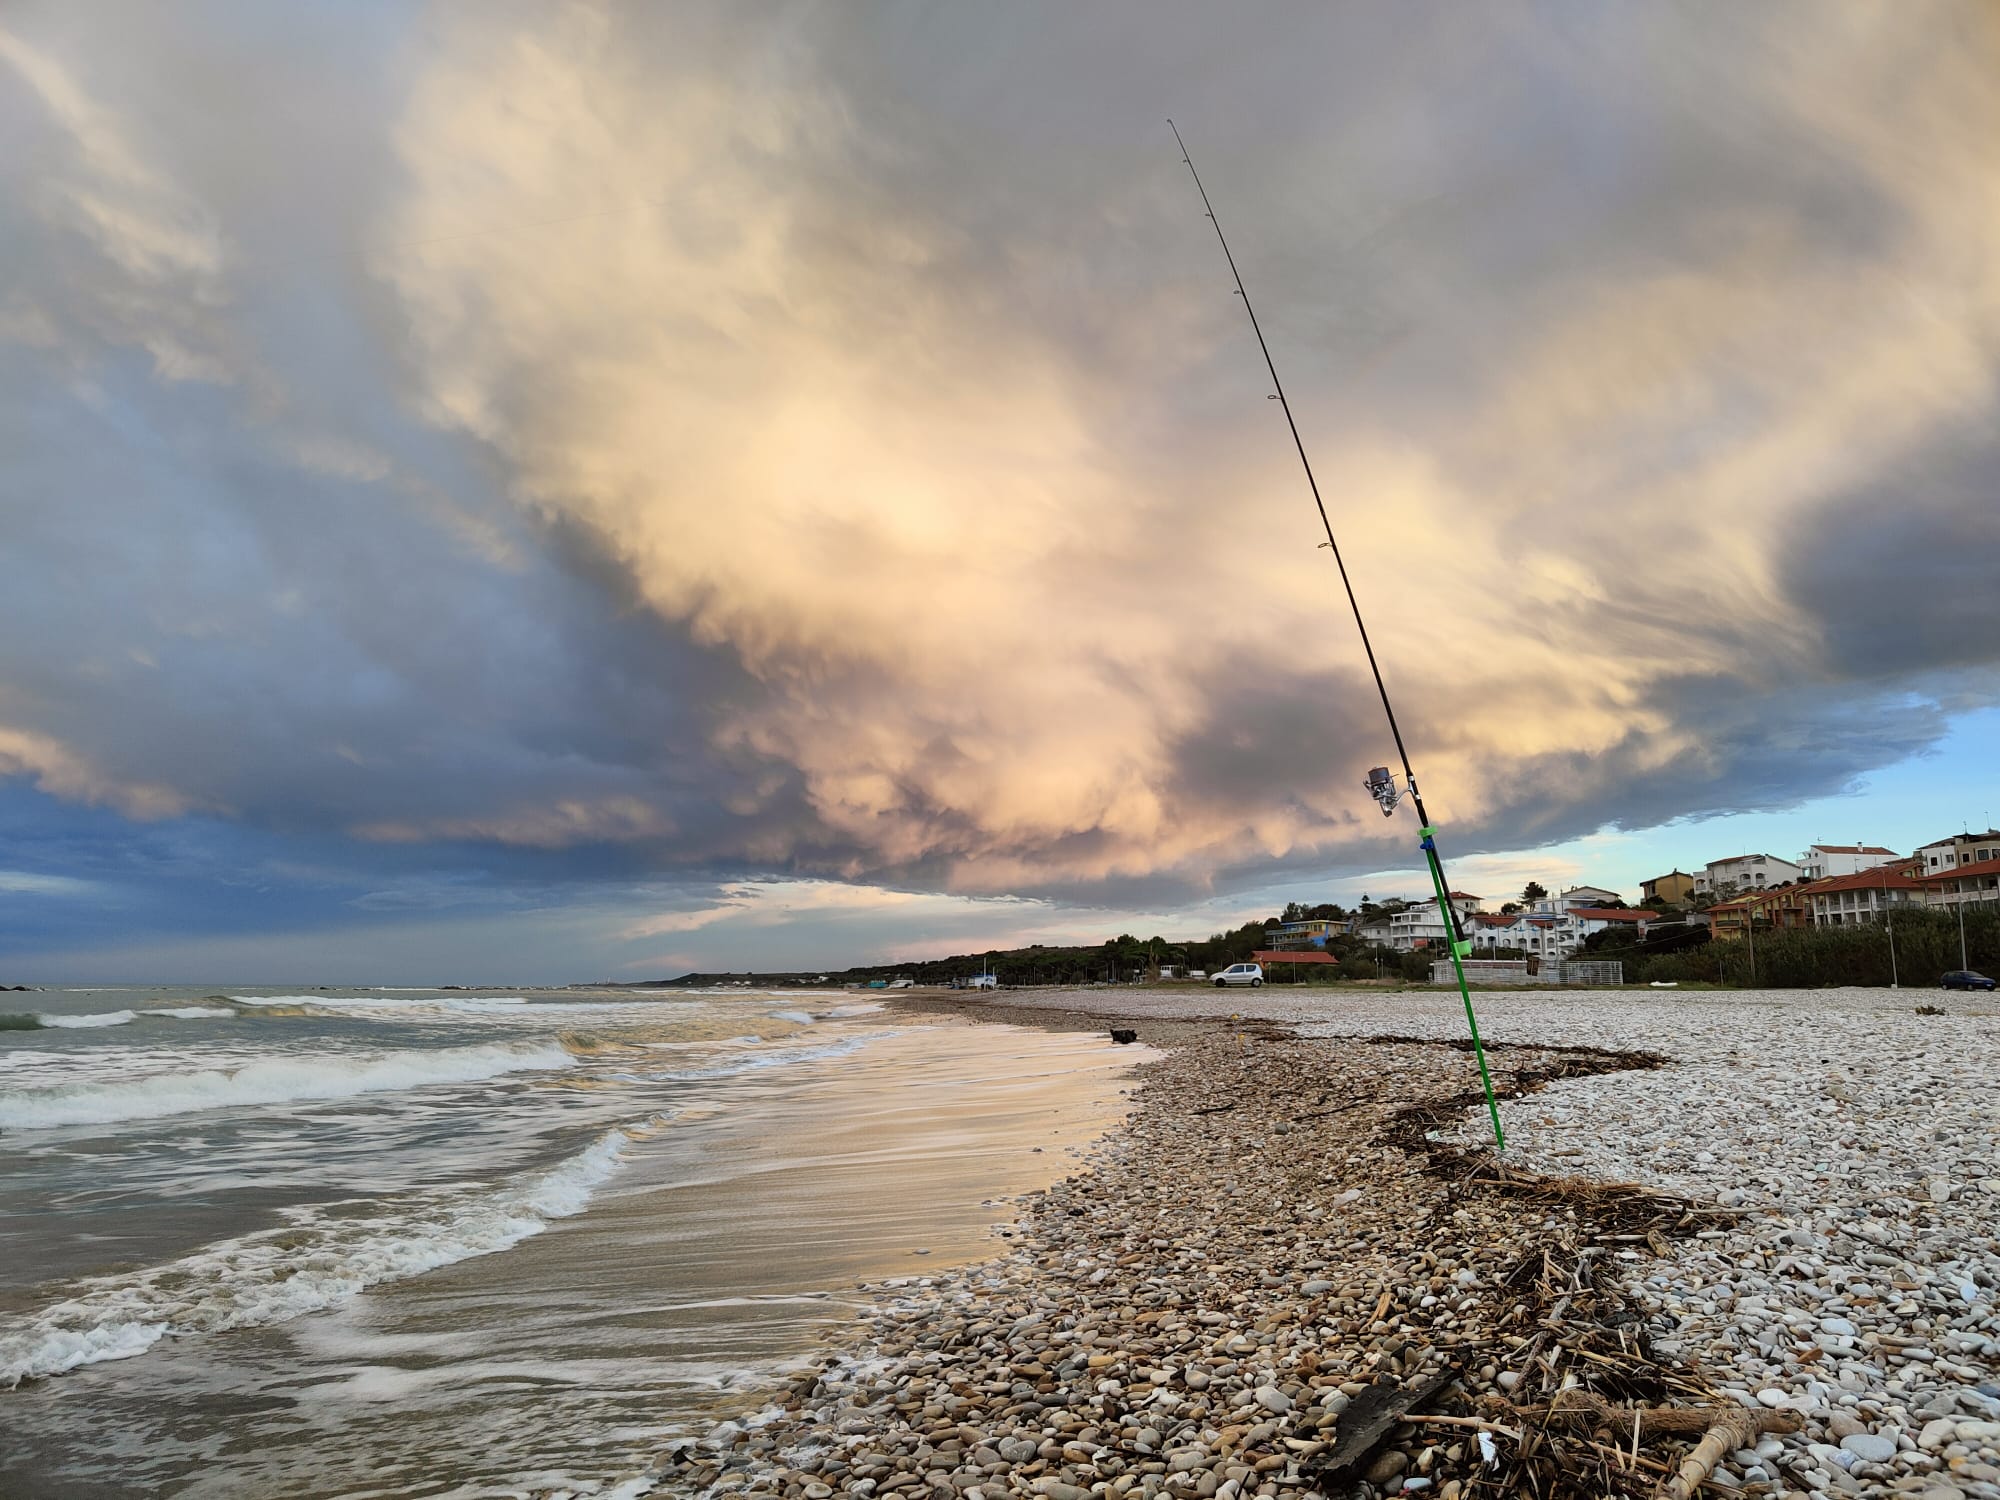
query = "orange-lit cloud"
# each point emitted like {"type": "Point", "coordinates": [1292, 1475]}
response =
{"type": "Point", "coordinates": [798, 444]}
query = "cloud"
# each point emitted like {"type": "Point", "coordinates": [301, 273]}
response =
{"type": "Point", "coordinates": [61, 772]}
{"type": "Point", "coordinates": [569, 444]}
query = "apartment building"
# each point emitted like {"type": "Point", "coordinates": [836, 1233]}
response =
{"type": "Point", "coordinates": [1826, 861]}
{"type": "Point", "coordinates": [1864, 896]}
{"type": "Point", "coordinates": [1747, 872]}
{"type": "Point", "coordinates": [1670, 889]}
{"type": "Point", "coordinates": [1959, 850]}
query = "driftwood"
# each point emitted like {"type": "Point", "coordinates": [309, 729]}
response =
{"type": "Point", "coordinates": [1732, 1430]}
{"type": "Point", "coordinates": [1369, 1419]}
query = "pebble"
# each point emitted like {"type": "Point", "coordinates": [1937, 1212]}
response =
{"type": "Point", "coordinates": [1168, 1313]}
{"type": "Point", "coordinates": [1870, 1446]}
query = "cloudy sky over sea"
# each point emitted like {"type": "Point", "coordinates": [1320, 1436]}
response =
{"type": "Point", "coordinates": [558, 491]}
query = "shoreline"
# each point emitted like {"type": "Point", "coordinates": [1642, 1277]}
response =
{"type": "Point", "coordinates": [1277, 1238]}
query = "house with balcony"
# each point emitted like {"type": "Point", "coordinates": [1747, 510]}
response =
{"type": "Point", "coordinates": [1298, 937]}
{"type": "Point", "coordinates": [1966, 885]}
{"type": "Point", "coordinates": [1586, 920]}
{"type": "Point", "coordinates": [1745, 873]}
{"type": "Point", "coordinates": [1780, 907]}
{"type": "Point", "coordinates": [1825, 861]}
{"type": "Point", "coordinates": [1864, 896]}
{"type": "Point", "coordinates": [1585, 895]}
{"type": "Point", "coordinates": [1958, 851]}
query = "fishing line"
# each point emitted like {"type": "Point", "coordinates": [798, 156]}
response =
{"type": "Point", "coordinates": [1379, 784]}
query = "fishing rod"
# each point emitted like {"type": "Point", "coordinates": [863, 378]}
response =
{"type": "Point", "coordinates": [1380, 784]}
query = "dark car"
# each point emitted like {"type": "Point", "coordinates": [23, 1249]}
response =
{"type": "Point", "coordinates": [1965, 979]}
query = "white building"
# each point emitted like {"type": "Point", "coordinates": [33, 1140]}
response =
{"type": "Point", "coordinates": [1420, 926]}
{"type": "Point", "coordinates": [1958, 850]}
{"type": "Point", "coordinates": [1555, 934]}
{"type": "Point", "coordinates": [1586, 895]}
{"type": "Point", "coordinates": [1747, 872]}
{"type": "Point", "coordinates": [1825, 861]}
{"type": "Point", "coordinates": [1865, 896]}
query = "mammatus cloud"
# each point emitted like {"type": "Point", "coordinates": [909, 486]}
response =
{"type": "Point", "coordinates": [800, 443]}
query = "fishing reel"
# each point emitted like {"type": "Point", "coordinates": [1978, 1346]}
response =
{"type": "Point", "coordinates": [1382, 787]}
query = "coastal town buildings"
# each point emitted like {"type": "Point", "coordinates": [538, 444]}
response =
{"type": "Point", "coordinates": [1670, 889]}
{"type": "Point", "coordinates": [1961, 886]}
{"type": "Point", "coordinates": [1552, 934]}
{"type": "Point", "coordinates": [1745, 872]}
{"type": "Point", "coordinates": [1778, 906]}
{"type": "Point", "coordinates": [1864, 896]}
{"type": "Point", "coordinates": [1824, 861]}
{"type": "Point", "coordinates": [1585, 895]}
{"type": "Point", "coordinates": [1959, 850]}
{"type": "Point", "coordinates": [1299, 937]}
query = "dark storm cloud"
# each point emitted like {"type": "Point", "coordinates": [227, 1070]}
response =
{"type": "Point", "coordinates": [522, 447]}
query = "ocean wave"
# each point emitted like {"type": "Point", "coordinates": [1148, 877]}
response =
{"type": "Point", "coordinates": [316, 1262]}
{"type": "Point", "coordinates": [770, 1056]}
{"type": "Point", "coordinates": [271, 1080]}
{"type": "Point", "coordinates": [190, 1012]}
{"type": "Point", "coordinates": [380, 1002]}
{"type": "Point", "coordinates": [102, 1018]}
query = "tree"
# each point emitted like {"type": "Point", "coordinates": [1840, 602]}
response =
{"type": "Point", "coordinates": [1294, 912]}
{"type": "Point", "coordinates": [1509, 908]}
{"type": "Point", "coordinates": [1533, 891]}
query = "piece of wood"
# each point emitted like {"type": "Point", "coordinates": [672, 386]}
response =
{"type": "Point", "coordinates": [1369, 1419]}
{"type": "Point", "coordinates": [1731, 1430]}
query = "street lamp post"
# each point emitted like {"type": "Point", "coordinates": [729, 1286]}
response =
{"type": "Point", "coordinates": [1960, 904]}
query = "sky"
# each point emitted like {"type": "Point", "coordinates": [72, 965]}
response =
{"type": "Point", "coordinates": [533, 492]}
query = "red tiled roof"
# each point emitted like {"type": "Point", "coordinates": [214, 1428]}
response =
{"type": "Point", "coordinates": [1465, 896]}
{"type": "Point", "coordinates": [1613, 914]}
{"type": "Point", "coordinates": [1854, 849]}
{"type": "Point", "coordinates": [1977, 870]}
{"type": "Point", "coordinates": [1494, 919]}
{"type": "Point", "coordinates": [1288, 956]}
{"type": "Point", "coordinates": [1882, 877]}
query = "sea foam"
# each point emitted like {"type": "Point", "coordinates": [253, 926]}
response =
{"type": "Point", "coordinates": [270, 1080]}
{"type": "Point", "coordinates": [317, 1261]}
{"type": "Point", "coordinates": [102, 1018]}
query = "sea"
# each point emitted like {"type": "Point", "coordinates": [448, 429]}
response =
{"type": "Point", "coordinates": [303, 1242]}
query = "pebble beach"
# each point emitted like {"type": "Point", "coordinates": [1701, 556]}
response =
{"type": "Point", "coordinates": [1300, 1268]}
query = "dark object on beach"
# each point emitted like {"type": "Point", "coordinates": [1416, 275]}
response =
{"type": "Point", "coordinates": [1930, 1010]}
{"type": "Point", "coordinates": [1123, 1037]}
{"type": "Point", "coordinates": [1369, 1419]}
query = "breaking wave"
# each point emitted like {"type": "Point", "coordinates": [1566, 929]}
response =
{"type": "Point", "coordinates": [316, 1262]}
{"type": "Point", "coordinates": [273, 1080]}
{"type": "Point", "coordinates": [102, 1018]}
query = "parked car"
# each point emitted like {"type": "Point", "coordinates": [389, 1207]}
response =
{"type": "Point", "coordinates": [1250, 974]}
{"type": "Point", "coordinates": [1965, 979]}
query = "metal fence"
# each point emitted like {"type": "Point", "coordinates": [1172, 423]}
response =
{"type": "Point", "coordinates": [1582, 971]}
{"type": "Point", "coordinates": [1484, 971]}
{"type": "Point", "coordinates": [1594, 971]}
